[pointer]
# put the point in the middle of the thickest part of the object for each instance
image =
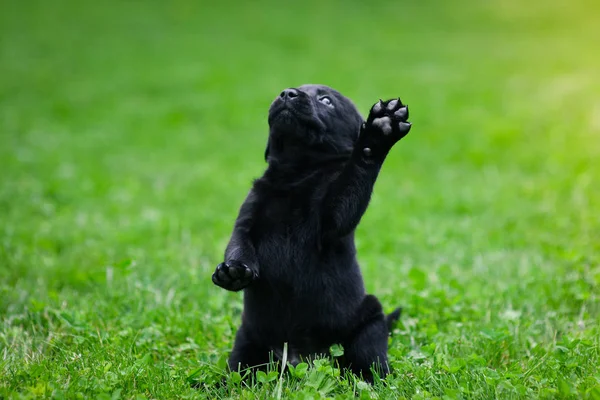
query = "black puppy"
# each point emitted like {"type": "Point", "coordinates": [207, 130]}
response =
{"type": "Point", "coordinates": [292, 247]}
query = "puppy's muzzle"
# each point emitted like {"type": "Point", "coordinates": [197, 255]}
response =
{"type": "Point", "coordinates": [289, 94]}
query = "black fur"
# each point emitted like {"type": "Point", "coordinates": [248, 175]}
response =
{"type": "Point", "coordinates": [292, 248]}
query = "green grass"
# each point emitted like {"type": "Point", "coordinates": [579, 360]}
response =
{"type": "Point", "coordinates": [130, 133]}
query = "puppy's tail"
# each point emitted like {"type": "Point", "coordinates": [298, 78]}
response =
{"type": "Point", "coordinates": [392, 318]}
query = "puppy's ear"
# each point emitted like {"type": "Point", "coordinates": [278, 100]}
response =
{"type": "Point", "coordinates": [267, 149]}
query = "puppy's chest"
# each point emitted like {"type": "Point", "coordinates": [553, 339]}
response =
{"type": "Point", "coordinates": [279, 212]}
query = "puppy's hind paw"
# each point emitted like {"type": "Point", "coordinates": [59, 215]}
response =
{"type": "Point", "coordinates": [233, 275]}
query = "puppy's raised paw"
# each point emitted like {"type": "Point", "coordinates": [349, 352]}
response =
{"type": "Point", "coordinates": [388, 121]}
{"type": "Point", "coordinates": [233, 275]}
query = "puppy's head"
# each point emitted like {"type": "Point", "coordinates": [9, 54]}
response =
{"type": "Point", "coordinates": [312, 118]}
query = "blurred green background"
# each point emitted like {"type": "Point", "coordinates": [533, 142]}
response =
{"type": "Point", "coordinates": [130, 133]}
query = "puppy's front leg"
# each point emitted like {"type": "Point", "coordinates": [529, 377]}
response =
{"type": "Point", "coordinates": [240, 267]}
{"type": "Point", "coordinates": [348, 196]}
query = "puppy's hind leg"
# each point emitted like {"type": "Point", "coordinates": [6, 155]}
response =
{"type": "Point", "coordinates": [367, 348]}
{"type": "Point", "coordinates": [247, 353]}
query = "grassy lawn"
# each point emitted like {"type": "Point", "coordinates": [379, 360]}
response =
{"type": "Point", "coordinates": [130, 133]}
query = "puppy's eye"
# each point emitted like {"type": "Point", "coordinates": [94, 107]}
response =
{"type": "Point", "coordinates": [326, 100]}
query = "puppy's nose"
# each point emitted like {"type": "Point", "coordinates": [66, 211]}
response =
{"type": "Point", "coordinates": [289, 94]}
